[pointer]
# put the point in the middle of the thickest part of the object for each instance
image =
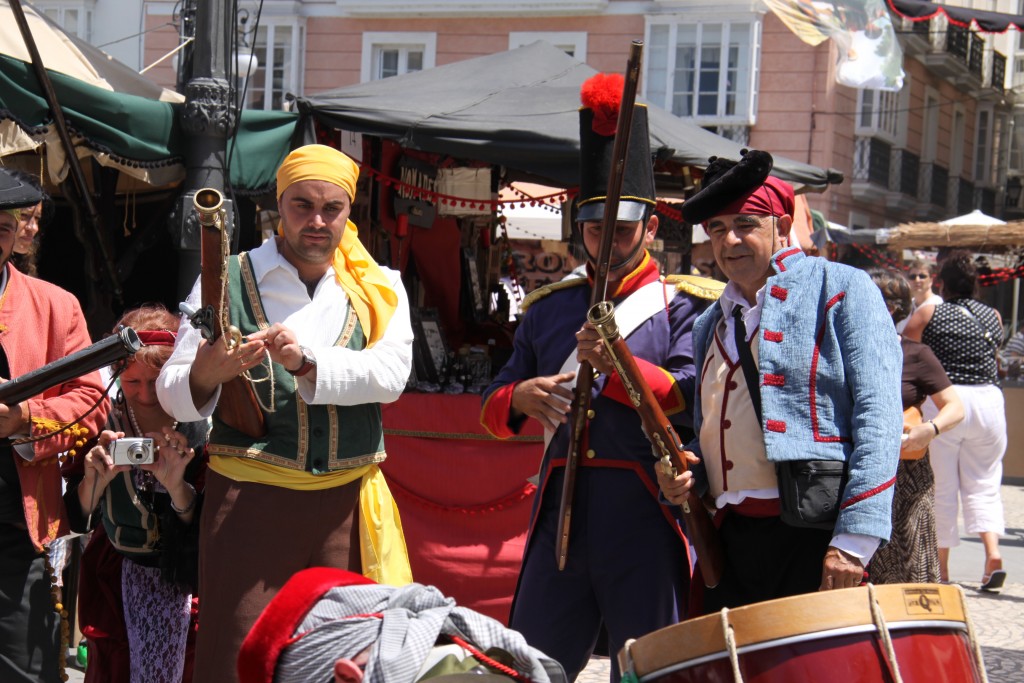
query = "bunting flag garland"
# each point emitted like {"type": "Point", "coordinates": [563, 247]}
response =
{"type": "Point", "coordinates": [986, 278]}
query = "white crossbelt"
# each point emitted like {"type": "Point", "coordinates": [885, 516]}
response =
{"type": "Point", "coordinates": [629, 315]}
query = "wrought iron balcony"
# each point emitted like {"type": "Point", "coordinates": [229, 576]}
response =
{"type": "Point", "coordinates": [871, 159]}
{"type": "Point", "coordinates": [998, 71]}
{"type": "Point", "coordinates": [958, 41]}
{"type": "Point", "coordinates": [910, 165]}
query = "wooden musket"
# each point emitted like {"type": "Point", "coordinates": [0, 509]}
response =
{"type": "Point", "coordinates": [585, 375]}
{"type": "Point", "coordinates": [238, 406]}
{"type": "Point", "coordinates": [664, 440]}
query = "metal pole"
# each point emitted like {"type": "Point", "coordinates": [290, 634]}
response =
{"type": "Point", "coordinates": [77, 175]}
{"type": "Point", "coordinates": [1016, 305]}
{"type": "Point", "coordinates": [208, 118]}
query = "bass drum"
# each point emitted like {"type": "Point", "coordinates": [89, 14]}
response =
{"type": "Point", "coordinates": [914, 633]}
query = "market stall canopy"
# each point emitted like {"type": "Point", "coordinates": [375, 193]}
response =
{"type": "Point", "coordinates": [140, 137]}
{"type": "Point", "coordinates": [984, 237]}
{"type": "Point", "coordinates": [64, 53]}
{"type": "Point", "coordinates": [976, 217]}
{"type": "Point", "coordinates": [517, 109]}
{"type": "Point", "coordinates": [982, 20]}
{"type": "Point", "coordinates": [116, 116]}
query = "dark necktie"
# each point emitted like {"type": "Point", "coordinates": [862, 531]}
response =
{"type": "Point", "coordinates": [750, 373]}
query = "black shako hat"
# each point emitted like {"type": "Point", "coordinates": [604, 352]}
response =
{"type": "Point", "coordinates": [725, 182]}
{"type": "Point", "coordinates": [601, 96]}
{"type": "Point", "coordinates": [15, 194]}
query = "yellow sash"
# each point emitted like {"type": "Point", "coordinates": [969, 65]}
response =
{"type": "Point", "coordinates": [383, 552]}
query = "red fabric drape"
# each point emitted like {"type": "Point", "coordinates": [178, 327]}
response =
{"type": "Point", "coordinates": [463, 496]}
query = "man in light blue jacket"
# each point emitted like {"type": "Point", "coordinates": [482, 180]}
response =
{"type": "Point", "coordinates": [817, 404]}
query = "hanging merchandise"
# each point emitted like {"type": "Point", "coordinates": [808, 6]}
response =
{"type": "Point", "coordinates": [869, 56]}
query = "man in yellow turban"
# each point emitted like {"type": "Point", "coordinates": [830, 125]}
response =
{"type": "Point", "coordinates": [327, 339]}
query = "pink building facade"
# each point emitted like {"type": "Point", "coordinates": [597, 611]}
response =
{"type": "Point", "coordinates": [939, 148]}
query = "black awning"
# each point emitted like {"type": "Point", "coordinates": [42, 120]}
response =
{"type": "Point", "coordinates": [988, 22]}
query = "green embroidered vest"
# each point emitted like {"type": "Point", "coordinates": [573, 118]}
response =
{"type": "Point", "coordinates": [300, 436]}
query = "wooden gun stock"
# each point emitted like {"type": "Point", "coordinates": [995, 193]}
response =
{"type": "Point", "coordinates": [664, 439]}
{"type": "Point", "coordinates": [585, 375]}
{"type": "Point", "coordinates": [238, 406]}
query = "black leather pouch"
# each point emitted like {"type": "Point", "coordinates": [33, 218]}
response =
{"type": "Point", "coordinates": [809, 492]}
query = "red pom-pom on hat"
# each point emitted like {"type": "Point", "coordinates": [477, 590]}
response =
{"type": "Point", "coordinates": [603, 94]}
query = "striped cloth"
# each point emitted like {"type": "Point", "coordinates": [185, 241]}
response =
{"type": "Point", "coordinates": [400, 625]}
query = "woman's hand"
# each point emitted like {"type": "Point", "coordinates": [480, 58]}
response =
{"type": "Point", "coordinates": [918, 437]}
{"type": "Point", "coordinates": [99, 471]}
{"type": "Point", "coordinates": [173, 456]}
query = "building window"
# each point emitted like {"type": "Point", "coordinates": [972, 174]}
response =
{"type": "Point", "coordinates": [883, 114]}
{"type": "Point", "coordinates": [279, 49]}
{"type": "Point", "coordinates": [73, 18]}
{"type": "Point", "coordinates": [930, 134]}
{"type": "Point", "coordinates": [956, 152]}
{"type": "Point", "coordinates": [704, 70]}
{"type": "Point", "coordinates": [983, 147]}
{"type": "Point", "coordinates": [572, 43]}
{"type": "Point", "coordinates": [1017, 143]}
{"type": "Point", "coordinates": [393, 54]}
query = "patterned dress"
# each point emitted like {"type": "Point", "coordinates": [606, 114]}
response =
{"type": "Point", "coordinates": [912, 554]}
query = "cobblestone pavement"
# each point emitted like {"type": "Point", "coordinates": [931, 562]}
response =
{"type": "Point", "coordinates": [998, 618]}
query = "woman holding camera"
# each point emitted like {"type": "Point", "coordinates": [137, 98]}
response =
{"type": "Point", "coordinates": [139, 570]}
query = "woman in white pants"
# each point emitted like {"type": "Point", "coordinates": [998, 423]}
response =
{"type": "Point", "coordinates": [965, 334]}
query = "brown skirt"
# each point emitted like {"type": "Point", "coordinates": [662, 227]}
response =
{"type": "Point", "coordinates": [912, 554]}
{"type": "Point", "coordinates": [253, 537]}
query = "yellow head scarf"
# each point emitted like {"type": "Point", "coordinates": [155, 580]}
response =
{"type": "Point", "coordinates": [367, 286]}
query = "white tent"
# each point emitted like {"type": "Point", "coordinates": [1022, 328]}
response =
{"type": "Point", "coordinates": [976, 217]}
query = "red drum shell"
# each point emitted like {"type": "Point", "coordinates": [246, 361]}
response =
{"type": "Point", "coordinates": [829, 636]}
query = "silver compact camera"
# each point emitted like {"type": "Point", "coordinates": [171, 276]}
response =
{"type": "Point", "coordinates": [132, 451]}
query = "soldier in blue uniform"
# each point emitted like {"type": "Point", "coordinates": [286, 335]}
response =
{"type": "Point", "coordinates": [628, 567]}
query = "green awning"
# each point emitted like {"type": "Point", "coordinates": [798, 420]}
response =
{"type": "Point", "coordinates": [142, 137]}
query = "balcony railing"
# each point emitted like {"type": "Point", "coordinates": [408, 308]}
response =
{"type": "Point", "coordinates": [976, 55]}
{"type": "Point", "coordinates": [871, 161]}
{"type": "Point", "coordinates": [910, 164]}
{"type": "Point", "coordinates": [922, 29]}
{"type": "Point", "coordinates": [958, 41]}
{"type": "Point", "coordinates": [998, 71]}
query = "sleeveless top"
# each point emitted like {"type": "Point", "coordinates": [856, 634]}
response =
{"type": "Point", "coordinates": [964, 335]}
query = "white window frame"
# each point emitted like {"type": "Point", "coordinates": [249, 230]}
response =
{"type": "Point", "coordinates": [1016, 135]}
{"type": "Point", "coordinates": [577, 40]}
{"type": "Point", "coordinates": [746, 112]}
{"type": "Point", "coordinates": [930, 125]}
{"type": "Point", "coordinates": [888, 114]}
{"type": "Point", "coordinates": [85, 15]}
{"type": "Point", "coordinates": [292, 77]}
{"type": "Point", "coordinates": [982, 171]}
{"type": "Point", "coordinates": [374, 41]}
{"type": "Point", "coordinates": [957, 124]}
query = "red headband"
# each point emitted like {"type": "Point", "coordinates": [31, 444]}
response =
{"type": "Point", "coordinates": [157, 337]}
{"type": "Point", "coordinates": [773, 198]}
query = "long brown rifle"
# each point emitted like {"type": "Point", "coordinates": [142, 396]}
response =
{"type": "Point", "coordinates": [238, 406]}
{"type": "Point", "coordinates": [585, 375]}
{"type": "Point", "coordinates": [664, 440]}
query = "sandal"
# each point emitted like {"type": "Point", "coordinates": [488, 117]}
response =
{"type": "Point", "coordinates": [995, 579]}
